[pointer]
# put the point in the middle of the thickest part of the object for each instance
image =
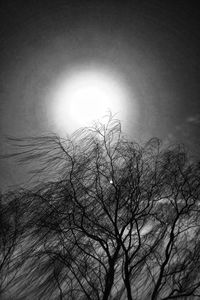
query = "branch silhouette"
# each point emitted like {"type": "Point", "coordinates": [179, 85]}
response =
{"type": "Point", "coordinates": [117, 220]}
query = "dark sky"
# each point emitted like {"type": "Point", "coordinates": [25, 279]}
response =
{"type": "Point", "coordinates": [153, 45]}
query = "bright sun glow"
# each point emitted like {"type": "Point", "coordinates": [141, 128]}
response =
{"type": "Point", "coordinates": [84, 96]}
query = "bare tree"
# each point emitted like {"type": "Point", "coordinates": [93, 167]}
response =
{"type": "Point", "coordinates": [10, 234]}
{"type": "Point", "coordinates": [116, 221]}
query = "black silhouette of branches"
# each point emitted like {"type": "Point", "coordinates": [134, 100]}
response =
{"type": "Point", "coordinates": [117, 220]}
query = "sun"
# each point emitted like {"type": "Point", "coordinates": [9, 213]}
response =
{"type": "Point", "coordinates": [84, 96]}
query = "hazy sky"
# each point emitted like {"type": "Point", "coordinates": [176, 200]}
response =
{"type": "Point", "coordinates": [151, 45]}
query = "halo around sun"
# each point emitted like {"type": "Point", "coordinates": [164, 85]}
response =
{"type": "Point", "coordinates": [83, 96]}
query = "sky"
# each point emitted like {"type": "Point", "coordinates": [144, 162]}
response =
{"type": "Point", "coordinates": [149, 46]}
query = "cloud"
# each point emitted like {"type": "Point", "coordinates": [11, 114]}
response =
{"type": "Point", "coordinates": [194, 119]}
{"type": "Point", "coordinates": [187, 133]}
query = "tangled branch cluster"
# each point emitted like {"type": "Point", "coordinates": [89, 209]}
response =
{"type": "Point", "coordinates": [117, 221]}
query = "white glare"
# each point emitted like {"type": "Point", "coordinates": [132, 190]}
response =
{"type": "Point", "coordinates": [84, 96]}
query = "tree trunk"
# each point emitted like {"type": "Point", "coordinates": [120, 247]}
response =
{"type": "Point", "coordinates": [109, 281]}
{"type": "Point", "coordinates": [127, 281]}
